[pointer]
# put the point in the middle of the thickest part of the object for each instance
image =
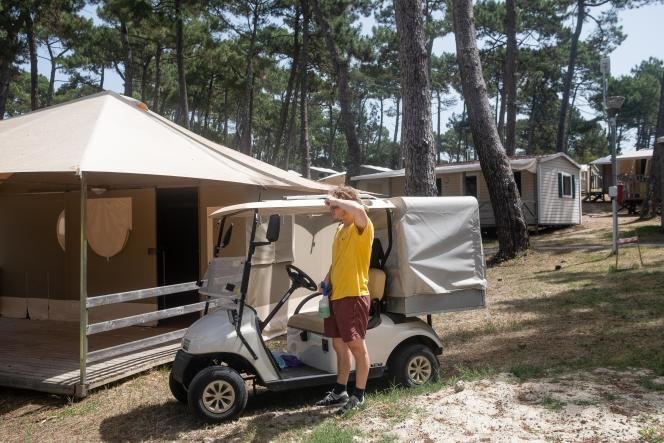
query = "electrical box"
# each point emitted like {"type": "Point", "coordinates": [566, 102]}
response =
{"type": "Point", "coordinates": [613, 191]}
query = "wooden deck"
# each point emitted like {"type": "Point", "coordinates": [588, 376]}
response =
{"type": "Point", "coordinates": [44, 355]}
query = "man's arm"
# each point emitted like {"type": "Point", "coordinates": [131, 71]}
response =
{"type": "Point", "coordinates": [360, 217]}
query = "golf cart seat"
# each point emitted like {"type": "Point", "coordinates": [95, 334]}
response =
{"type": "Point", "coordinates": [310, 321]}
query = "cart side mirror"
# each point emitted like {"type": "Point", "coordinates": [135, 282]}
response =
{"type": "Point", "coordinates": [273, 227]}
{"type": "Point", "coordinates": [227, 236]}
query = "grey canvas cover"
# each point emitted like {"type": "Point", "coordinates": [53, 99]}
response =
{"type": "Point", "coordinates": [437, 262]}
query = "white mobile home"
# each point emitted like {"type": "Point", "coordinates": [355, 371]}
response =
{"type": "Point", "coordinates": [548, 185]}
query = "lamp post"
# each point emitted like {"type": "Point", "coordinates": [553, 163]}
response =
{"type": "Point", "coordinates": [613, 105]}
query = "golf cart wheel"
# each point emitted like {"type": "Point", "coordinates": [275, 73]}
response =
{"type": "Point", "coordinates": [178, 391]}
{"type": "Point", "coordinates": [217, 393]}
{"type": "Point", "coordinates": [414, 365]}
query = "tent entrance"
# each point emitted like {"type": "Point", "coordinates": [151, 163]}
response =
{"type": "Point", "coordinates": [177, 243]}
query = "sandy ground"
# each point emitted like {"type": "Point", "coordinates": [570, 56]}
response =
{"type": "Point", "coordinates": [602, 405]}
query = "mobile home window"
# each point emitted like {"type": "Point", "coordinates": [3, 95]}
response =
{"type": "Point", "coordinates": [566, 185]}
{"type": "Point", "coordinates": [471, 185]}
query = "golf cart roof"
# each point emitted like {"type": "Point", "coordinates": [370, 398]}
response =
{"type": "Point", "coordinates": [308, 205]}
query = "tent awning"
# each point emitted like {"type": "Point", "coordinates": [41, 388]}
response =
{"type": "Point", "coordinates": [108, 133]}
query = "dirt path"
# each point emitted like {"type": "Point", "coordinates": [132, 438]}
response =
{"type": "Point", "coordinates": [602, 405]}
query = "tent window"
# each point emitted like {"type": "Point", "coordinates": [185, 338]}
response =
{"type": "Point", "coordinates": [470, 185]}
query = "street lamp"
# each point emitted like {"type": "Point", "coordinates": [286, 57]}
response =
{"type": "Point", "coordinates": [613, 105]}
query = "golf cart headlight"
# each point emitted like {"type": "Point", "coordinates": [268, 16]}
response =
{"type": "Point", "coordinates": [185, 344]}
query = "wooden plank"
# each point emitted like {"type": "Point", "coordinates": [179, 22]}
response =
{"type": "Point", "coordinates": [135, 345]}
{"type": "Point", "coordinates": [140, 294]}
{"type": "Point", "coordinates": [110, 325]}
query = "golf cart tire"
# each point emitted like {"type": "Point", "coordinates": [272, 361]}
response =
{"type": "Point", "coordinates": [178, 391]}
{"type": "Point", "coordinates": [220, 378]}
{"type": "Point", "coordinates": [409, 356]}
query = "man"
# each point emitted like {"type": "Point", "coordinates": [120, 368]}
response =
{"type": "Point", "coordinates": [349, 299]}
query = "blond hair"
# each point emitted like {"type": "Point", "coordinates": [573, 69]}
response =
{"type": "Point", "coordinates": [345, 193]}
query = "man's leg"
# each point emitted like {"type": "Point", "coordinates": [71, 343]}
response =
{"type": "Point", "coordinates": [358, 348]}
{"type": "Point", "coordinates": [343, 360]}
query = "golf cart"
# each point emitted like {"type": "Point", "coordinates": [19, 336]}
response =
{"type": "Point", "coordinates": [433, 262]}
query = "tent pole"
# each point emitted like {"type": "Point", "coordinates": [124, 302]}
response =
{"type": "Point", "coordinates": [83, 286]}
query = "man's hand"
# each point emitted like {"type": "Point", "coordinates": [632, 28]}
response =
{"type": "Point", "coordinates": [360, 217]}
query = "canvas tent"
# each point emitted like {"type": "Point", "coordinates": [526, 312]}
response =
{"type": "Point", "coordinates": [109, 151]}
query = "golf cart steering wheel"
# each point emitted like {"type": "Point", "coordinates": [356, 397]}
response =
{"type": "Point", "coordinates": [300, 278]}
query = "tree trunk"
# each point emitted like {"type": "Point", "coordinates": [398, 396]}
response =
{"type": "Point", "coordinates": [510, 76]}
{"type": "Point", "coordinates": [144, 77]}
{"type": "Point", "coordinates": [655, 182]}
{"type": "Point", "coordinates": [417, 142]}
{"type": "Point", "coordinates": [208, 102]}
{"type": "Point", "coordinates": [51, 78]}
{"type": "Point", "coordinates": [128, 59]}
{"type": "Point", "coordinates": [397, 101]}
{"type": "Point", "coordinates": [561, 138]}
{"type": "Point", "coordinates": [183, 105]}
{"type": "Point", "coordinates": [305, 149]}
{"type": "Point", "coordinates": [501, 114]}
{"type": "Point", "coordinates": [341, 71]}
{"type": "Point", "coordinates": [291, 129]}
{"type": "Point", "coordinates": [439, 142]}
{"type": "Point", "coordinates": [285, 104]}
{"type": "Point", "coordinates": [157, 77]}
{"type": "Point", "coordinates": [225, 133]}
{"type": "Point", "coordinates": [511, 226]}
{"type": "Point", "coordinates": [34, 74]}
{"type": "Point", "coordinates": [380, 127]}
{"type": "Point", "coordinates": [245, 124]}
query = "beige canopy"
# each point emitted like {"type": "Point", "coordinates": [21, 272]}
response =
{"type": "Point", "coordinates": [116, 141]}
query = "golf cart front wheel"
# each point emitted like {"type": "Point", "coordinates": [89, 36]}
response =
{"type": "Point", "coordinates": [414, 365]}
{"type": "Point", "coordinates": [178, 391]}
{"type": "Point", "coordinates": [217, 393]}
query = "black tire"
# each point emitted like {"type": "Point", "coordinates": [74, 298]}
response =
{"type": "Point", "coordinates": [178, 391]}
{"type": "Point", "coordinates": [413, 365]}
{"type": "Point", "coordinates": [217, 393]}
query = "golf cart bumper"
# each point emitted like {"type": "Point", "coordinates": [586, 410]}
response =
{"type": "Point", "coordinates": [180, 365]}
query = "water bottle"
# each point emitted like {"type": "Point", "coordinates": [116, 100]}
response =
{"type": "Point", "coordinates": [324, 303]}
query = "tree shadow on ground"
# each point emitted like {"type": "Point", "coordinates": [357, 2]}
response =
{"type": "Point", "coordinates": [15, 399]}
{"type": "Point", "coordinates": [599, 320]}
{"type": "Point", "coordinates": [267, 416]}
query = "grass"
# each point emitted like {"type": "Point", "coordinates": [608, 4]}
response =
{"type": "Point", "coordinates": [525, 372]}
{"type": "Point", "coordinates": [553, 404]}
{"type": "Point", "coordinates": [649, 383]}
{"type": "Point", "coordinates": [77, 409]}
{"type": "Point", "coordinates": [330, 432]}
{"type": "Point", "coordinates": [651, 435]}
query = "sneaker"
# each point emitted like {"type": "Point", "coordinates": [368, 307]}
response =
{"type": "Point", "coordinates": [352, 403]}
{"type": "Point", "coordinates": [333, 399]}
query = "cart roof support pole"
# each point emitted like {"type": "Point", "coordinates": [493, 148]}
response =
{"type": "Point", "coordinates": [83, 286]}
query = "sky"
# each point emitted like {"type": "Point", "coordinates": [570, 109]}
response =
{"type": "Point", "coordinates": [642, 27]}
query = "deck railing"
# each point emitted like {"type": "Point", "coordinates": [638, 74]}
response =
{"type": "Point", "coordinates": [136, 345]}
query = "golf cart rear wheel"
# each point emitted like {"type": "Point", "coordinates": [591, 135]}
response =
{"type": "Point", "coordinates": [217, 393]}
{"type": "Point", "coordinates": [178, 391]}
{"type": "Point", "coordinates": [414, 365]}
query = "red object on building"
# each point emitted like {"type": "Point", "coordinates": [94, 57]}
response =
{"type": "Point", "coordinates": [621, 193]}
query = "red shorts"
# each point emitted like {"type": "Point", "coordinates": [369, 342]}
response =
{"type": "Point", "coordinates": [348, 318]}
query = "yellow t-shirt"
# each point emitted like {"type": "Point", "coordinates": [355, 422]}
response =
{"type": "Point", "coordinates": [351, 253]}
